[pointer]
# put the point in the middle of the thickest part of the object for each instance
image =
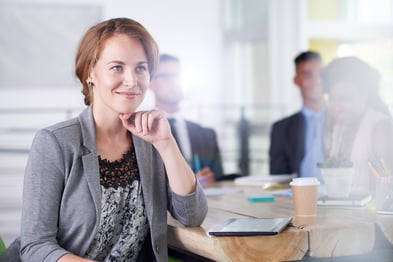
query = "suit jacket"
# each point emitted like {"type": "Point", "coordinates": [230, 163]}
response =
{"type": "Point", "coordinates": [62, 193]}
{"type": "Point", "coordinates": [204, 143]}
{"type": "Point", "coordinates": [287, 148]}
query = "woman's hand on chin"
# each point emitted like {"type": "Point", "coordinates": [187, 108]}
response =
{"type": "Point", "coordinates": [152, 126]}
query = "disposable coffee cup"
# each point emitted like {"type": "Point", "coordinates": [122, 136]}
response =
{"type": "Point", "coordinates": [305, 196]}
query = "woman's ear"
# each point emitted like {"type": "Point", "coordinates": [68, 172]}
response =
{"type": "Point", "coordinates": [90, 82]}
{"type": "Point", "coordinates": [90, 77]}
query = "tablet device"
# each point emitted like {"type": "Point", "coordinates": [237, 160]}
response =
{"type": "Point", "coordinates": [250, 226]}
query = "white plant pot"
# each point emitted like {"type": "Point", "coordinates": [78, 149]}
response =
{"type": "Point", "coordinates": [338, 181]}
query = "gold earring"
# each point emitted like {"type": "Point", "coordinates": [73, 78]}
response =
{"type": "Point", "coordinates": [89, 84]}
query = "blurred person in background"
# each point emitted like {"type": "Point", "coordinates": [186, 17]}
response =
{"type": "Point", "coordinates": [296, 142]}
{"type": "Point", "coordinates": [359, 124]}
{"type": "Point", "coordinates": [198, 144]}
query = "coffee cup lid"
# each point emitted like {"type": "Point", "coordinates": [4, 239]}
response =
{"type": "Point", "coordinates": [304, 181]}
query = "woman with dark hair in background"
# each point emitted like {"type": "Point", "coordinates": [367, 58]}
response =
{"type": "Point", "coordinates": [359, 122]}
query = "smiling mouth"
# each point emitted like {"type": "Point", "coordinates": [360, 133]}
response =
{"type": "Point", "coordinates": [128, 94]}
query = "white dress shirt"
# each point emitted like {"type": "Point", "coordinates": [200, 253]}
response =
{"type": "Point", "coordinates": [182, 136]}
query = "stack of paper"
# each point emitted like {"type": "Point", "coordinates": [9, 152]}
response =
{"type": "Point", "coordinates": [260, 180]}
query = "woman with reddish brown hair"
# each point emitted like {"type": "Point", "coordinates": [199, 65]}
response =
{"type": "Point", "coordinates": [98, 187]}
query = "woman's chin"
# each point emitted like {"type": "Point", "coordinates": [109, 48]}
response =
{"type": "Point", "coordinates": [127, 110]}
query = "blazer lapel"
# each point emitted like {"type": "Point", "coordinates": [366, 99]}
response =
{"type": "Point", "coordinates": [143, 156]}
{"type": "Point", "coordinates": [300, 134]}
{"type": "Point", "coordinates": [90, 158]}
{"type": "Point", "coordinates": [298, 138]}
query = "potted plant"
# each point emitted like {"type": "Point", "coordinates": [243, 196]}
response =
{"type": "Point", "coordinates": [337, 173]}
{"type": "Point", "coordinates": [336, 162]}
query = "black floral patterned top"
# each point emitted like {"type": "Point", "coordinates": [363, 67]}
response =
{"type": "Point", "coordinates": [123, 223]}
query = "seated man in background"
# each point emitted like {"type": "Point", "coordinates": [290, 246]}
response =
{"type": "Point", "coordinates": [198, 144]}
{"type": "Point", "coordinates": [296, 142]}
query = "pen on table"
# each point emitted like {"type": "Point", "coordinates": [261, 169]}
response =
{"type": "Point", "coordinates": [385, 171]}
{"type": "Point", "coordinates": [197, 163]}
{"type": "Point", "coordinates": [272, 185]}
{"type": "Point", "coordinates": [373, 170]}
{"type": "Point", "coordinates": [385, 168]}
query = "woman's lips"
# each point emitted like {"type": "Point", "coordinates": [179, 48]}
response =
{"type": "Point", "coordinates": [128, 94]}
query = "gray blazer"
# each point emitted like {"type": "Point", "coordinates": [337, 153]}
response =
{"type": "Point", "coordinates": [203, 142]}
{"type": "Point", "coordinates": [62, 197]}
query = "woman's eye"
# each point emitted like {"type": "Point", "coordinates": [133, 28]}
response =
{"type": "Point", "coordinates": [117, 68]}
{"type": "Point", "coordinates": [141, 69]}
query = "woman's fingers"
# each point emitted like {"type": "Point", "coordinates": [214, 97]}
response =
{"type": "Point", "coordinates": [154, 118]}
{"type": "Point", "coordinates": [143, 122]}
{"type": "Point", "coordinates": [125, 119]}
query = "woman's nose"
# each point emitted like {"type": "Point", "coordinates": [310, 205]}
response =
{"type": "Point", "coordinates": [130, 78]}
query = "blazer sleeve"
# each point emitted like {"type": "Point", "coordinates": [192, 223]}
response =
{"type": "Point", "coordinates": [189, 210]}
{"type": "Point", "coordinates": [42, 192]}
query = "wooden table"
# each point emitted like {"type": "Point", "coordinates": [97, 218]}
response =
{"type": "Point", "coordinates": [335, 232]}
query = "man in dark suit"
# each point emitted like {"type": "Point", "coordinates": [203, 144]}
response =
{"type": "Point", "coordinates": [198, 144]}
{"type": "Point", "coordinates": [296, 142]}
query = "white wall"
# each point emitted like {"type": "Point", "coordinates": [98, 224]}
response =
{"type": "Point", "coordinates": [190, 30]}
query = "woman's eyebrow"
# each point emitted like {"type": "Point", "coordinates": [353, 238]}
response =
{"type": "Point", "coordinates": [115, 62]}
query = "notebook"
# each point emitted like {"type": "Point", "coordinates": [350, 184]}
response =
{"type": "Point", "coordinates": [251, 226]}
{"type": "Point", "coordinates": [352, 200]}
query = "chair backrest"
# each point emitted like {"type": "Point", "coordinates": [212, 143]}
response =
{"type": "Point", "coordinates": [2, 246]}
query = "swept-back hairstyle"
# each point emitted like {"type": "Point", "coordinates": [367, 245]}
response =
{"type": "Point", "coordinates": [92, 43]}
{"type": "Point", "coordinates": [306, 56]}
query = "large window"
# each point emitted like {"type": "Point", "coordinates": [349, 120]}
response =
{"type": "Point", "coordinates": [245, 70]}
{"type": "Point", "coordinates": [263, 36]}
{"type": "Point", "coordinates": [360, 28]}
{"type": "Point", "coordinates": [357, 11]}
